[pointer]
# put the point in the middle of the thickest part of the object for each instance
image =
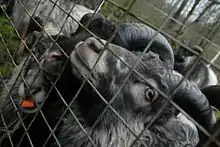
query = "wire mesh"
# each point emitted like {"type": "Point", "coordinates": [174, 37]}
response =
{"type": "Point", "coordinates": [159, 15]}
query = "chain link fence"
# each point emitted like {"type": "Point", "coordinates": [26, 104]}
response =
{"type": "Point", "coordinates": [125, 95]}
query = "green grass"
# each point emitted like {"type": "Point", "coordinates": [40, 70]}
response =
{"type": "Point", "coordinates": [217, 114]}
{"type": "Point", "coordinates": [8, 40]}
{"type": "Point", "coordinates": [6, 70]}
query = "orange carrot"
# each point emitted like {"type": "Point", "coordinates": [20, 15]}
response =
{"type": "Point", "coordinates": [27, 104]}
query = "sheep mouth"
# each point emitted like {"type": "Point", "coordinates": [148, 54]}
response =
{"type": "Point", "coordinates": [28, 106]}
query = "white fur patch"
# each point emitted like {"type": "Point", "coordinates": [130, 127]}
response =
{"type": "Point", "coordinates": [51, 29]}
{"type": "Point", "coordinates": [39, 97]}
{"type": "Point", "coordinates": [177, 73]}
{"type": "Point", "coordinates": [185, 120]}
{"type": "Point", "coordinates": [21, 90]}
{"type": "Point", "coordinates": [121, 67]}
{"type": "Point", "coordinates": [213, 80]}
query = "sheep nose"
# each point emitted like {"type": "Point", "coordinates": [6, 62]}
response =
{"type": "Point", "coordinates": [53, 56]}
{"type": "Point", "coordinates": [95, 44]}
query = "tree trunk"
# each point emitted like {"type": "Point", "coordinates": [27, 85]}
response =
{"type": "Point", "coordinates": [182, 28]}
{"type": "Point", "coordinates": [207, 8]}
{"type": "Point", "coordinates": [173, 2]}
{"type": "Point", "coordinates": [177, 14]}
{"type": "Point", "coordinates": [191, 11]}
{"type": "Point", "coordinates": [211, 33]}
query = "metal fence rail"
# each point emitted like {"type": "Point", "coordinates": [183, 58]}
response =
{"type": "Point", "coordinates": [111, 9]}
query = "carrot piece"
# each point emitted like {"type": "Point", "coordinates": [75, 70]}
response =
{"type": "Point", "coordinates": [27, 104]}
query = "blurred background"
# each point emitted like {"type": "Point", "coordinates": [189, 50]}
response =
{"type": "Point", "coordinates": [194, 22]}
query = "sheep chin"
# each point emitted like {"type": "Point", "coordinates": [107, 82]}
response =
{"type": "Point", "coordinates": [29, 110]}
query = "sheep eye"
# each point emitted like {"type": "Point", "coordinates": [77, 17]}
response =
{"type": "Point", "coordinates": [151, 95]}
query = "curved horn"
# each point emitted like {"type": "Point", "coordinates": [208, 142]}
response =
{"type": "Point", "coordinates": [212, 93]}
{"type": "Point", "coordinates": [192, 100]}
{"type": "Point", "coordinates": [132, 36]}
{"type": "Point", "coordinates": [138, 36]}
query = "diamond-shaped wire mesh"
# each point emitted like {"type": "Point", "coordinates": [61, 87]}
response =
{"type": "Point", "coordinates": [109, 73]}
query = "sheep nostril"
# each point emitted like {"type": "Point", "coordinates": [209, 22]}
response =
{"type": "Point", "coordinates": [94, 44]}
{"type": "Point", "coordinates": [94, 47]}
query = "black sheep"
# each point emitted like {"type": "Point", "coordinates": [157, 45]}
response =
{"type": "Point", "coordinates": [202, 75]}
{"type": "Point", "coordinates": [52, 109]}
{"type": "Point", "coordinates": [54, 55]}
{"type": "Point", "coordinates": [137, 103]}
{"type": "Point", "coordinates": [32, 69]}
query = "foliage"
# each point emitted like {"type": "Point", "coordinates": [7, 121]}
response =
{"type": "Point", "coordinates": [152, 11]}
{"type": "Point", "coordinates": [8, 43]}
{"type": "Point", "coordinates": [217, 114]}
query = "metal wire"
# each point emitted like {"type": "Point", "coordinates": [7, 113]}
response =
{"type": "Point", "coordinates": [126, 11]}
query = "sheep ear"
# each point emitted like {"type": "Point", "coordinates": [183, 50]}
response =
{"type": "Point", "coordinates": [92, 21]}
{"type": "Point", "coordinates": [91, 17]}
